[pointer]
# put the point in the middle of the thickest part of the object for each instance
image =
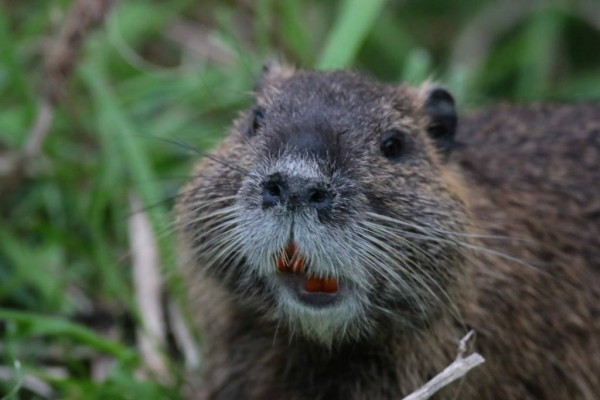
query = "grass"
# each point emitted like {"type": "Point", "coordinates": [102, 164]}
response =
{"type": "Point", "coordinates": [66, 297]}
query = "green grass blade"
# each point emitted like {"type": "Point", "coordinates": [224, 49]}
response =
{"type": "Point", "coordinates": [9, 64]}
{"type": "Point", "coordinates": [539, 54]}
{"type": "Point", "coordinates": [295, 32]}
{"type": "Point", "coordinates": [418, 67]}
{"type": "Point", "coordinates": [36, 324]}
{"type": "Point", "coordinates": [352, 26]}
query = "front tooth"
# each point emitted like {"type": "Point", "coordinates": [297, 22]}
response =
{"type": "Point", "coordinates": [313, 285]}
{"type": "Point", "coordinates": [281, 264]}
{"type": "Point", "coordinates": [330, 285]}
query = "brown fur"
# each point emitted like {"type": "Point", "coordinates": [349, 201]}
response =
{"type": "Point", "coordinates": [533, 174]}
{"type": "Point", "coordinates": [526, 174]}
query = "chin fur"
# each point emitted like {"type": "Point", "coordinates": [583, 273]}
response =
{"type": "Point", "coordinates": [341, 322]}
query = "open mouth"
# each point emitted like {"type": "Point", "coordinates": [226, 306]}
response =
{"type": "Point", "coordinates": [311, 290]}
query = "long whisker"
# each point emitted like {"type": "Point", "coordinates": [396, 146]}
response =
{"type": "Point", "coordinates": [203, 153]}
{"type": "Point", "coordinates": [444, 231]}
{"type": "Point", "coordinates": [427, 281]}
{"type": "Point", "coordinates": [448, 239]}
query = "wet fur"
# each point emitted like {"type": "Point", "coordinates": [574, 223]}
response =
{"type": "Point", "coordinates": [502, 237]}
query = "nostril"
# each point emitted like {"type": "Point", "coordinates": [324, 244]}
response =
{"type": "Point", "coordinates": [272, 191]}
{"type": "Point", "coordinates": [318, 196]}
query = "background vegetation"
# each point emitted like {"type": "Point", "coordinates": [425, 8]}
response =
{"type": "Point", "coordinates": [180, 70]}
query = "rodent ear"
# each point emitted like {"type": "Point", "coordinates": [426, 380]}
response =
{"type": "Point", "coordinates": [440, 107]}
{"type": "Point", "coordinates": [273, 71]}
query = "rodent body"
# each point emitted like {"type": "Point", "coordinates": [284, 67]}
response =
{"type": "Point", "coordinates": [340, 242]}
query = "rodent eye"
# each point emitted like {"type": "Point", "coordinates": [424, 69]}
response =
{"type": "Point", "coordinates": [392, 144]}
{"type": "Point", "coordinates": [258, 116]}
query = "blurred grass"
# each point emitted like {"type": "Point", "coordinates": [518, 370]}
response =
{"type": "Point", "coordinates": [355, 19]}
{"type": "Point", "coordinates": [181, 71]}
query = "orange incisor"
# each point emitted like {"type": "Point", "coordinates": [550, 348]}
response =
{"type": "Point", "coordinates": [327, 285]}
{"type": "Point", "coordinates": [292, 261]}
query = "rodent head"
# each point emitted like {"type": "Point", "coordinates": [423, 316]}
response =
{"type": "Point", "coordinates": [328, 208]}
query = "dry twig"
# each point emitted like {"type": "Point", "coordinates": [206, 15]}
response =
{"type": "Point", "coordinates": [457, 369]}
{"type": "Point", "coordinates": [183, 336]}
{"type": "Point", "coordinates": [148, 290]}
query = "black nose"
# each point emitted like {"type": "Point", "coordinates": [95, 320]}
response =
{"type": "Point", "coordinates": [274, 190]}
{"type": "Point", "coordinates": [295, 192]}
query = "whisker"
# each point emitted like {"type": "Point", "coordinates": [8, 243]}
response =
{"type": "Point", "coordinates": [200, 152]}
{"type": "Point", "coordinates": [471, 246]}
{"type": "Point", "coordinates": [444, 231]}
{"type": "Point", "coordinates": [427, 278]}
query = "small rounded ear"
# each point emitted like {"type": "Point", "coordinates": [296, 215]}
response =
{"type": "Point", "coordinates": [272, 71]}
{"type": "Point", "coordinates": [439, 105]}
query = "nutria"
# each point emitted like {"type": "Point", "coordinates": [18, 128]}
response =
{"type": "Point", "coordinates": [346, 234]}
